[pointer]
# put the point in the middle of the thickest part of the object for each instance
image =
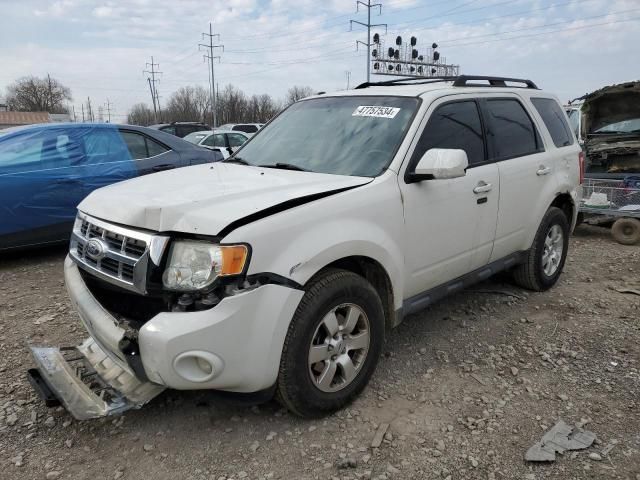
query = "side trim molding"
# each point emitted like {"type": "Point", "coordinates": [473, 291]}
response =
{"type": "Point", "coordinates": [422, 300]}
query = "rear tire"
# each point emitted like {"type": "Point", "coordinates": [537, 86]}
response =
{"type": "Point", "coordinates": [333, 344]}
{"type": "Point", "coordinates": [545, 260]}
{"type": "Point", "coordinates": [626, 231]}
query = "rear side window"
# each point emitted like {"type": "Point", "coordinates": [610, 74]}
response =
{"type": "Point", "coordinates": [155, 148]}
{"type": "Point", "coordinates": [245, 128]}
{"type": "Point", "coordinates": [136, 145]}
{"type": "Point", "coordinates": [454, 125]}
{"type": "Point", "coordinates": [511, 129]}
{"type": "Point", "coordinates": [554, 119]}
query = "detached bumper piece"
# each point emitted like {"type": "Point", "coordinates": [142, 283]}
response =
{"type": "Point", "coordinates": [87, 382]}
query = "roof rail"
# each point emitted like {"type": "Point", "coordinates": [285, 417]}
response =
{"type": "Point", "coordinates": [458, 81]}
{"type": "Point", "coordinates": [462, 81]}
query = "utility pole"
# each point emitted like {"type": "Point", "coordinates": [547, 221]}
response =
{"type": "Point", "coordinates": [368, 6]}
{"type": "Point", "coordinates": [89, 112]}
{"type": "Point", "coordinates": [153, 87]}
{"type": "Point", "coordinates": [348, 73]}
{"type": "Point", "coordinates": [210, 57]}
{"type": "Point", "coordinates": [108, 105]}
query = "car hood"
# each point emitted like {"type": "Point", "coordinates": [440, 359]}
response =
{"type": "Point", "coordinates": [207, 199]}
{"type": "Point", "coordinates": [611, 104]}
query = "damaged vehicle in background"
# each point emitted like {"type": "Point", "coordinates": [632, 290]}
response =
{"type": "Point", "coordinates": [610, 126]}
{"type": "Point", "coordinates": [281, 269]}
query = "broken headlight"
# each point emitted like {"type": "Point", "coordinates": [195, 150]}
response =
{"type": "Point", "coordinates": [195, 265]}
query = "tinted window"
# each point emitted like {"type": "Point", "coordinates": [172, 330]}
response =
{"type": "Point", "coordinates": [245, 128]}
{"type": "Point", "coordinates": [136, 145]}
{"type": "Point", "coordinates": [511, 129]}
{"type": "Point", "coordinates": [454, 125]}
{"type": "Point", "coordinates": [235, 140]}
{"type": "Point", "coordinates": [216, 140]}
{"type": "Point", "coordinates": [171, 130]}
{"type": "Point", "coordinates": [554, 119]}
{"type": "Point", "coordinates": [154, 148]}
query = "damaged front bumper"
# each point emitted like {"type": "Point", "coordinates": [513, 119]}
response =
{"type": "Point", "coordinates": [93, 379]}
{"type": "Point", "coordinates": [87, 381]}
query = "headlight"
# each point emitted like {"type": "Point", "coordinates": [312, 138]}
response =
{"type": "Point", "coordinates": [194, 265]}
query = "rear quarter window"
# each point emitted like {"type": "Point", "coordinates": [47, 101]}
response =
{"type": "Point", "coordinates": [555, 121]}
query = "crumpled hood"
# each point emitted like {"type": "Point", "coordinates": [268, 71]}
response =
{"type": "Point", "coordinates": [611, 104]}
{"type": "Point", "coordinates": [205, 199]}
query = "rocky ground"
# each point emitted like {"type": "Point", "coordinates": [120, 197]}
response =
{"type": "Point", "coordinates": [463, 390]}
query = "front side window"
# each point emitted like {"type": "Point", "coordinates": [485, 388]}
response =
{"type": "Point", "coordinates": [338, 135]}
{"type": "Point", "coordinates": [511, 129]}
{"type": "Point", "coordinates": [554, 120]}
{"type": "Point", "coordinates": [454, 125]}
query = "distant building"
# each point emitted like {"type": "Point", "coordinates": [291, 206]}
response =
{"type": "Point", "coordinates": [16, 119]}
{"type": "Point", "coordinates": [3, 107]}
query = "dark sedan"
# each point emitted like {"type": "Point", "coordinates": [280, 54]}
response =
{"type": "Point", "coordinates": [46, 170]}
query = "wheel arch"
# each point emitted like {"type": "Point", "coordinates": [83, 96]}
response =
{"type": "Point", "coordinates": [375, 273]}
{"type": "Point", "coordinates": [564, 201]}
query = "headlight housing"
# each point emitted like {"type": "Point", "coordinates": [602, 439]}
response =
{"type": "Point", "coordinates": [195, 265]}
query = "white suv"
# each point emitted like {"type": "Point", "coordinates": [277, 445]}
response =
{"type": "Point", "coordinates": [283, 267]}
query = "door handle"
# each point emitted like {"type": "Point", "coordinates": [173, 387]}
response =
{"type": "Point", "coordinates": [483, 187]}
{"type": "Point", "coordinates": [160, 168]}
{"type": "Point", "coordinates": [542, 170]}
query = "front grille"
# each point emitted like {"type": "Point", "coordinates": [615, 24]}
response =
{"type": "Point", "coordinates": [113, 253]}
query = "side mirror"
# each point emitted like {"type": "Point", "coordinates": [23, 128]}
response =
{"type": "Point", "coordinates": [440, 163]}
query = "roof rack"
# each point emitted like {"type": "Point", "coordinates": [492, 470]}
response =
{"type": "Point", "coordinates": [459, 81]}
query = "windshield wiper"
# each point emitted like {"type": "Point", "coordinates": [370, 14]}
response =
{"type": "Point", "coordinates": [286, 166]}
{"type": "Point", "coordinates": [236, 160]}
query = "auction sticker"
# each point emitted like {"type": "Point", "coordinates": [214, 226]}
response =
{"type": "Point", "coordinates": [375, 111]}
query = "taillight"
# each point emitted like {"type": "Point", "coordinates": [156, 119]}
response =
{"type": "Point", "coordinates": [581, 164]}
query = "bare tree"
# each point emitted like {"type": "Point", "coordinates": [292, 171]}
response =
{"type": "Point", "coordinates": [188, 104]}
{"type": "Point", "coordinates": [140, 114]}
{"type": "Point", "coordinates": [296, 93]}
{"type": "Point", "coordinates": [33, 94]}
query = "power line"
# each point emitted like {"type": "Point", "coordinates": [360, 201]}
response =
{"type": "Point", "coordinates": [211, 57]}
{"type": "Point", "coordinates": [369, 6]}
{"type": "Point", "coordinates": [560, 30]}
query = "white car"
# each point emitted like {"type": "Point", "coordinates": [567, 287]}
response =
{"type": "Point", "coordinates": [224, 141]}
{"type": "Point", "coordinates": [284, 267]}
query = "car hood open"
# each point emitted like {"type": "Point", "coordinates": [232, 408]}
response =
{"type": "Point", "coordinates": [611, 104]}
{"type": "Point", "coordinates": [210, 199]}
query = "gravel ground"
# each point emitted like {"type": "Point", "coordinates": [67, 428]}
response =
{"type": "Point", "coordinates": [466, 388]}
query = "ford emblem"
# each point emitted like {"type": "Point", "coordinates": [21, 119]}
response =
{"type": "Point", "coordinates": [96, 249]}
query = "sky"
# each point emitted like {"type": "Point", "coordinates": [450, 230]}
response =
{"type": "Point", "coordinates": [100, 48]}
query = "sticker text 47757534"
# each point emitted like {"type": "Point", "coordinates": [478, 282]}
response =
{"type": "Point", "coordinates": [375, 111]}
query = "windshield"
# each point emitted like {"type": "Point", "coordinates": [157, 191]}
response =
{"type": "Point", "coordinates": [626, 126]}
{"type": "Point", "coordinates": [338, 135]}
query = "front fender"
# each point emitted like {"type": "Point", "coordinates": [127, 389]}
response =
{"type": "Point", "coordinates": [366, 221]}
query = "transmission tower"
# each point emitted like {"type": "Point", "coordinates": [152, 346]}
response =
{"type": "Point", "coordinates": [210, 57]}
{"type": "Point", "coordinates": [368, 6]}
{"type": "Point", "coordinates": [155, 99]}
{"type": "Point", "coordinates": [108, 107]}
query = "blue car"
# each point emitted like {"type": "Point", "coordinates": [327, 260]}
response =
{"type": "Point", "coordinates": [46, 170]}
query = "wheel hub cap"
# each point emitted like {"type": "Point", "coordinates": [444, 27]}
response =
{"type": "Point", "coordinates": [553, 249]}
{"type": "Point", "coordinates": [339, 347]}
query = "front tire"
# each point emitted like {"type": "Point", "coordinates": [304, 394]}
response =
{"type": "Point", "coordinates": [545, 260]}
{"type": "Point", "coordinates": [333, 344]}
